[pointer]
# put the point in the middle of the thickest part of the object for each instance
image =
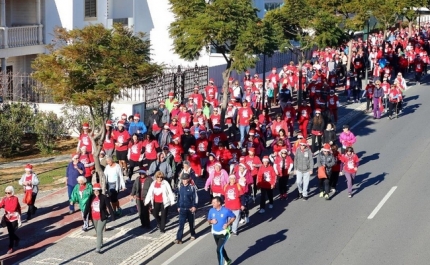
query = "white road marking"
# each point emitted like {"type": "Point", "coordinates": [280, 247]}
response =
{"type": "Point", "coordinates": [358, 123]}
{"type": "Point", "coordinates": [182, 251]}
{"type": "Point", "coordinates": [381, 203]}
{"type": "Point", "coordinates": [48, 261]}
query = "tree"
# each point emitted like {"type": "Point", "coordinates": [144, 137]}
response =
{"type": "Point", "coordinates": [48, 127]}
{"type": "Point", "coordinates": [90, 66]}
{"type": "Point", "coordinates": [410, 11]}
{"type": "Point", "coordinates": [232, 27]}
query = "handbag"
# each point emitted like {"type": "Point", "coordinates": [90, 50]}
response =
{"type": "Point", "coordinates": [27, 197]}
{"type": "Point", "coordinates": [321, 173]}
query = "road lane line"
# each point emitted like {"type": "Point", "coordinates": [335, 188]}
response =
{"type": "Point", "coordinates": [185, 249]}
{"type": "Point", "coordinates": [359, 122]}
{"type": "Point", "coordinates": [381, 203]}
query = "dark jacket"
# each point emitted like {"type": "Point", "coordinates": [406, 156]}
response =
{"type": "Point", "coordinates": [187, 140]}
{"type": "Point", "coordinates": [72, 174]}
{"type": "Point", "coordinates": [326, 160]}
{"type": "Point", "coordinates": [329, 136]}
{"type": "Point", "coordinates": [104, 207]}
{"type": "Point", "coordinates": [154, 117]}
{"type": "Point", "coordinates": [378, 93]}
{"type": "Point", "coordinates": [139, 190]}
{"type": "Point", "coordinates": [187, 196]}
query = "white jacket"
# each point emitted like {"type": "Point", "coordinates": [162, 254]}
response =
{"type": "Point", "coordinates": [34, 182]}
{"type": "Point", "coordinates": [168, 195]}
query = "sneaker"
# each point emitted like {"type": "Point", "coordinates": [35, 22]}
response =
{"type": "Point", "coordinates": [242, 221]}
{"type": "Point", "coordinates": [305, 198]}
{"type": "Point", "coordinates": [84, 229]}
{"type": "Point", "coordinates": [246, 220]}
{"type": "Point", "coordinates": [228, 262]}
{"type": "Point", "coordinates": [332, 190]}
{"type": "Point", "coordinates": [71, 212]}
{"type": "Point", "coordinates": [262, 211]}
{"type": "Point", "coordinates": [349, 195]}
{"type": "Point", "coordinates": [300, 195]}
{"type": "Point", "coordinates": [177, 241]}
{"type": "Point", "coordinates": [98, 251]}
{"type": "Point", "coordinates": [9, 251]}
{"type": "Point", "coordinates": [321, 194]}
{"type": "Point", "coordinates": [326, 197]}
{"type": "Point", "coordinates": [270, 206]}
{"type": "Point", "coordinates": [234, 233]}
{"type": "Point", "coordinates": [192, 238]}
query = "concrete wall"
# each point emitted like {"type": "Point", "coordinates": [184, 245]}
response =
{"type": "Point", "coordinates": [23, 12]}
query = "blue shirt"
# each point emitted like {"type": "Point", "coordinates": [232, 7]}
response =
{"type": "Point", "coordinates": [72, 174]}
{"type": "Point", "coordinates": [134, 127]}
{"type": "Point", "coordinates": [221, 217]}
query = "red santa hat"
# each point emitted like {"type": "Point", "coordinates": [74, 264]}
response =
{"type": "Point", "coordinates": [195, 120]}
{"type": "Point", "coordinates": [196, 87]}
{"type": "Point", "coordinates": [274, 68]}
{"type": "Point", "coordinates": [171, 94]}
{"type": "Point", "coordinates": [28, 167]}
{"type": "Point", "coordinates": [318, 111]}
{"type": "Point", "coordinates": [75, 156]}
{"type": "Point", "coordinates": [299, 136]}
{"type": "Point", "coordinates": [190, 98]}
{"type": "Point", "coordinates": [211, 80]}
{"type": "Point", "coordinates": [242, 159]}
{"type": "Point", "coordinates": [97, 186]}
{"type": "Point", "coordinates": [162, 103]}
{"type": "Point", "coordinates": [251, 149]}
{"type": "Point", "coordinates": [231, 103]}
{"type": "Point", "coordinates": [192, 149]}
{"type": "Point", "coordinates": [251, 133]}
{"type": "Point", "coordinates": [166, 126]}
{"type": "Point", "coordinates": [124, 115]}
{"type": "Point", "coordinates": [266, 158]}
{"type": "Point", "coordinates": [176, 139]}
{"type": "Point", "coordinates": [109, 123]}
{"type": "Point", "coordinates": [243, 165]}
{"type": "Point", "coordinates": [120, 123]}
{"type": "Point", "coordinates": [202, 132]}
{"type": "Point", "coordinates": [326, 147]}
{"type": "Point", "coordinates": [231, 79]}
{"type": "Point", "coordinates": [175, 104]}
{"type": "Point", "coordinates": [284, 151]}
{"type": "Point", "coordinates": [199, 109]}
{"type": "Point", "coordinates": [247, 72]}
{"type": "Point", "coordinates": [218, 164]}
{"type": "Point", "coordinates": [85, 125]}
{"type": "Point", "coordinates": [136, 115]}
{"type": "Point", "coordinates": [303, 142]}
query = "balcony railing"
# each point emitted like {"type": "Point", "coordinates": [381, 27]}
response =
{"type": "Point", "coordinates": [11, 37]}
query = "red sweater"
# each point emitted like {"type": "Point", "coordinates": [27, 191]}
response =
{"type": "Point", "coordinates": [232, 195]}
{"type": "Point", "coordinates": [266, 177]}
{"type": "Point", "coordinates": [11, 205]}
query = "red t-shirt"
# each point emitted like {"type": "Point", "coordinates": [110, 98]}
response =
{"type": "Point", "coordinates": [176, 151]}
{"type": "Point", "coordinates": [245, 115]}
{"type": "Point", "coordinates": [202, 147]}
{"type": "Point", "coordinates": [87, 158]}
{"type": "Point", "coordinates": [123, 138]}
{"type": "Point", "coordinates": [108, 143]}
{"type": "Point", "coordinates": [135, 150]}
{"type": "Point", "coordinates": [158, 193]}
{"type": "Point", "coordinates": [84, 140]}
{"type": "Point", "coordinates": [95, 209]}
{"type": "Point", "coordinates": [82, 188]}
{"type": "Point", "coordinates": [232, 195]}
{"type": "Point", "coordinates": [150, 149]}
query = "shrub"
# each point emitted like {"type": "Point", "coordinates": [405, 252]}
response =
{"type": "Point", "coordinates": [48, 127]}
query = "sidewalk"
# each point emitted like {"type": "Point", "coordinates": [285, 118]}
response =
{"type": "Point", "coordinates": [35, 161]}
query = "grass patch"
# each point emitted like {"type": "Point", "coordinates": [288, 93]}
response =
{"type": "Point", "coordinates": [50, 176]}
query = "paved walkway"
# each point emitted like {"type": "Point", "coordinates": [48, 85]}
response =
{"type": "Point", "coordinates": [55, 237]}
{"type": "Point", "coordinates": [35, 161]}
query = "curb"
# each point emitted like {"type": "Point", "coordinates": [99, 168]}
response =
{"type": "Point", "coordinates": [5, 164]}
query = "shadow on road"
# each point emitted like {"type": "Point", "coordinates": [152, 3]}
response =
{"type": "Point", "coordinates": [364, 160]}
{"type": "Point", "coordinates": [261, 245]}
{"type": "Point", "coordinates": [366, 182]}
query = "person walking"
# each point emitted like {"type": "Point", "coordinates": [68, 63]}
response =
{"type": "Point", "coordinates": [378, 94]}
{"type": "Point", "coordinates": [161, 165]}
{"type": "Point", "coordinates": [325, 162]}
{"type": "Point", "coordinates": [114, 183]}
{"type": "Point", "coordinates": [335, 170]}
{"type": "Point", "coordinates": [161, 196]}
{"type": "Point", "coordinates": [244, 178]}
{"type": "Point", "coordinates": [12, 216]}
{"type": "Point", "coordinates": [87, 159]}
{"type": "Point", "coordinates": [266, 180]}
{"type": "Point", "coordinates": [303, 165]}
{"type": "Point", "coordinates": [98, 209]}
{"type": "Point", "coordinates": [187, 206]}
{"type": "Point", "coordinates": [217, 180]}
{"type": "Point", "coordinates": [81, 194]}
{"type": "Point", "coordinates": [234, 201]}
{"type": "Point", "coordinates": [346, 138]}
{"type": "Point", "coordinates": [317, 130]}
{"type": "Point", "coordinates": [283, 165]}
{"type": "Point", "coordinates": [220, 219]}
{"type": "Point", "coordinates": [138, 193]}
{"type": "Point", "coordinates": [350, 167]}
{"type": "Point", "coordinates": [30, 183]}
{"type": "Point", "coordinates": [134, 155]}
{"type": "Point", "coordinates": [73, 171]}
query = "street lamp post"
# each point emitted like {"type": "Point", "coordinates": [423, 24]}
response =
{"type": "Point", "coordinates": [263, 93]}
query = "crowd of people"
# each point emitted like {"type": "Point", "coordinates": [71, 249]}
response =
{"type": "Point", "coordinates": [185, 146]}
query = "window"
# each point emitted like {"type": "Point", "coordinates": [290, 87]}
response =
{"type": "Point", "coordinates": [90, 8]}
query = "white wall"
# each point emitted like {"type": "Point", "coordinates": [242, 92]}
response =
{"type": "Point", "coordinates": [122, 8]}
{"type": "Point", "coordinates": [23, 12]}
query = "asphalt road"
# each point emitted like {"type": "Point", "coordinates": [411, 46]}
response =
{"type": "Point", "coordinates": [393, 157]}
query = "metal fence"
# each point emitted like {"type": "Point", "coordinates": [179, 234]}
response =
{"type": "Point", "coordinates": [22, 88]}
{"type": "Point", "coordinates": [180, 81]}
{"type": "Point", "coordinates": [279, 59]}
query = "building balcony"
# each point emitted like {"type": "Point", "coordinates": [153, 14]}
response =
{"type": "Point", "coordinates": [21, 36]}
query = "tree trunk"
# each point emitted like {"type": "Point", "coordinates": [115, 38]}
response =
{"type": "Point", "coordinates": [225, 77]}
{"type": "Point", "coordinates": [410, 27]}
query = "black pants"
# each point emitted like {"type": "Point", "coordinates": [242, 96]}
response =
{"type": "Point", "coordinates": [161, 220]}
{"type": "Point", "coordinates": [11, 229]}
{"type": "Point", "coordinates": [393, 106]}
{"type": "Point", "coordinates": [356, 94]}
{"type": "Point", "coordinates": [418, 76]}
{"type": "Point", "coordinates": [31, 208]}
{"type": "Point", "coordinates": [324, 186]}
{"type": "Point", "coordinates": [133, 164]}
{"type": "Point", "coordinates": [283, 182]}
{"type": "Point", "coordinates": [220, 241]}
{"type": "Point", "coordinates": [333, 179]}
{"type": "Point", "coordinates": [316, 142]}
{"type": "Point", "coordinates": [369, 102]}
{"type": "Point", "coordinates": [143, 213]}
{"type": "Point", "coordinates": [245, 213]}
{"type": "Point", "coordinates": [254, 188]}
{"type": "Point", "coordinates": [269, 193]}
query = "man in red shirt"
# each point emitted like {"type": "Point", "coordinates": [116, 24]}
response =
{"type": "Point", "coordinates": [254, 164]}
{"type": "Point", "coordinates": [244, 116]}
{"type": "Point", "coordinates": [303, 116]}
{"type": "Point", "coordinates": [211, 89]}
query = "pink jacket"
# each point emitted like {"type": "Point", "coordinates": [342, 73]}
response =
{"type": "Point", "coordinates": [347, 139]}
{"type": "Point", "coordinates": [217, 181]}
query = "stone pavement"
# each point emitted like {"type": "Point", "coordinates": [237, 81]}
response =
{"type": "Point", "coordinates": [35, 161]}
{"type": "Point", "coordinates": [55, 237]}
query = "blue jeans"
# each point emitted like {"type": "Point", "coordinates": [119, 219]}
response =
{"type": "Point", "coordinates": [69, 192]}
{"type": "Point", "coordinates": [243, 132]}
{"type": "Point", "coordinates": [184, 215]}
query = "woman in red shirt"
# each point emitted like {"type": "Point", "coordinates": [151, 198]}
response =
{"type": "Point", "coordinates": [30, 182]}
{"type": "Point", "coordinates": [350, 167]}
{"type": "Point", "coordinates": [135, 154]}
{"type": "Point", "coordinates": [12, 216]}
{"type": "Point", "coordinates": [266, 180]}
{"type": "Point", "coordinates": [84, 138]}
{"type": "Point", "coordinates": [98, 209]}
{"type": "Point", "coordinates": [234, 201]}
{"type": "Point", "coordinates": [108, 144]}
{"type": "Point", "coordinates": [87, 159]}
{"type": "Point", "coordinates": [151, 146]}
